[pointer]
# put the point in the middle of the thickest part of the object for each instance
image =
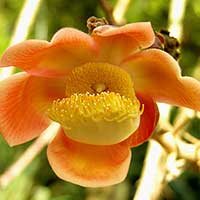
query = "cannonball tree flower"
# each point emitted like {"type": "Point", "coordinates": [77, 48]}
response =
{"type": "Point", "coordinates": [101, 88]}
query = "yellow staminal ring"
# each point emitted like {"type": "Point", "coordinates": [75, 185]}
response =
{"type": "Point", "coordinates": [99, 77]}
{"type": "Point", "coordinates": [101, 119]}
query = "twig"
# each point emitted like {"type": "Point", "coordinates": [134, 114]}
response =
{"type": "Point", "coordinates": [153, 173]}
{"type": "Point", "coordinates": [120, 10]}
{"type": "Point", "coordinates": [108, 9]}
{"type": "Point", "coordinates": [169, 143]}
{"type": "Point", "coordinates": [115, 15]}
{"type": "Point", "coordinates": [176, 15]}
{"type": "Point", "coordinates": [187, 136]}
{"type": "Point", "coordinates": [22, 28]}
{"type": "Point", "coordinates": [182, 122]}
{"type": "Point", "coordinates": [27, 157]}
{"type": "Point", "coordinates": [188, 151]}
{"type": "Point", "coordinates": [184, 150]}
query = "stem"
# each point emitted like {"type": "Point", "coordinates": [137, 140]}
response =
{"type": "Point", "coordinates": [108, 11]}
{"type": "Point", "coordinates": [154, 170]}
{"type": "Point", "coordinates": [120, 10]}
{"type": "Point", "coordinates": [26, 158]}
{"type": "Point", "coordinates": [22, 28]}
{"type": "Point", "coordinates": [190, 138]}
{"type": "Point", "coordinates": [115, 15]}
{"type": "Point", "coordinates": [176, 15]}
{"type": "Point", "coordinates": [153, 173]}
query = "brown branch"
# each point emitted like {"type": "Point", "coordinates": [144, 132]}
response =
{"type": "Point", "coordinates": [191, 139]}
{"type": "Point", "coordinates": [108, 9]}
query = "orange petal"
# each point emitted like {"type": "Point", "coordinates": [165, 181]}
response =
{"type": "Point", "coordinates": [23, 102]}
{"type": "Point", "coordinates": [88, 165]}
{"type": "Point", "coordinates": [68, 48]}
{"type": "Point", "coordinates": [148, 121]}
{"type": "Point", "coordinates": [158, 75]}
{"type": "Point", "coordinates": [116, 43]}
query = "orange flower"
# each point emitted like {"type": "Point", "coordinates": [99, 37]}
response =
{"type": "Point", "coordinates": [101, 88]}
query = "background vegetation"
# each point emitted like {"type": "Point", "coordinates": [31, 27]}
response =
{"type": "Point", "coordinates": [38, 182]}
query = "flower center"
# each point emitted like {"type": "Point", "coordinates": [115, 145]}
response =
{"type": "Point", "coordinates": [100, 107]}
{"type": "Point", "coordinates": [98, 77]}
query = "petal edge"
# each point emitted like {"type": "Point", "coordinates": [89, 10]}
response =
{"type": "Point", "coordinates": [23, 102]}
{"type": "Point", "coordinates": [116, 43]}
{"type": "Point", "coordinates": [158, 75]}
{"type": "Point", "coordinates": [67, 49]}
{"type": "Point", "coordinates": [148, 121]}
{"type": "Point", "coordinates": [88, 165]}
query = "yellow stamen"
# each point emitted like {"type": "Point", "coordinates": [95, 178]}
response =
{"type": "Point", "coordinates": [101, 119]}
{"type": "Point", "coordinates": [100, 107]}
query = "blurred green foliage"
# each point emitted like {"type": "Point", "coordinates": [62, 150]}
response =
{"type": "Point", "coordinates": [38, 182]}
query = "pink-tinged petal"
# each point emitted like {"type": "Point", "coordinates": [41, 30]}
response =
{"type": "Point", "coordinates": [68, 48]}
{"type": "Point", "coordinates": [148, 121]}
{"type": "Point", "coordinates": [88, 165]}
{"type": "Point", "coordinates": [116, 43]}
{"type": "Point", "coordinates": [158, 75]}
{"type": "Point", "coordinates": [23, 102]}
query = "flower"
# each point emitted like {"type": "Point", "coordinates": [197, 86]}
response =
{"type": "Point", "coordinates": [102, 89]}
